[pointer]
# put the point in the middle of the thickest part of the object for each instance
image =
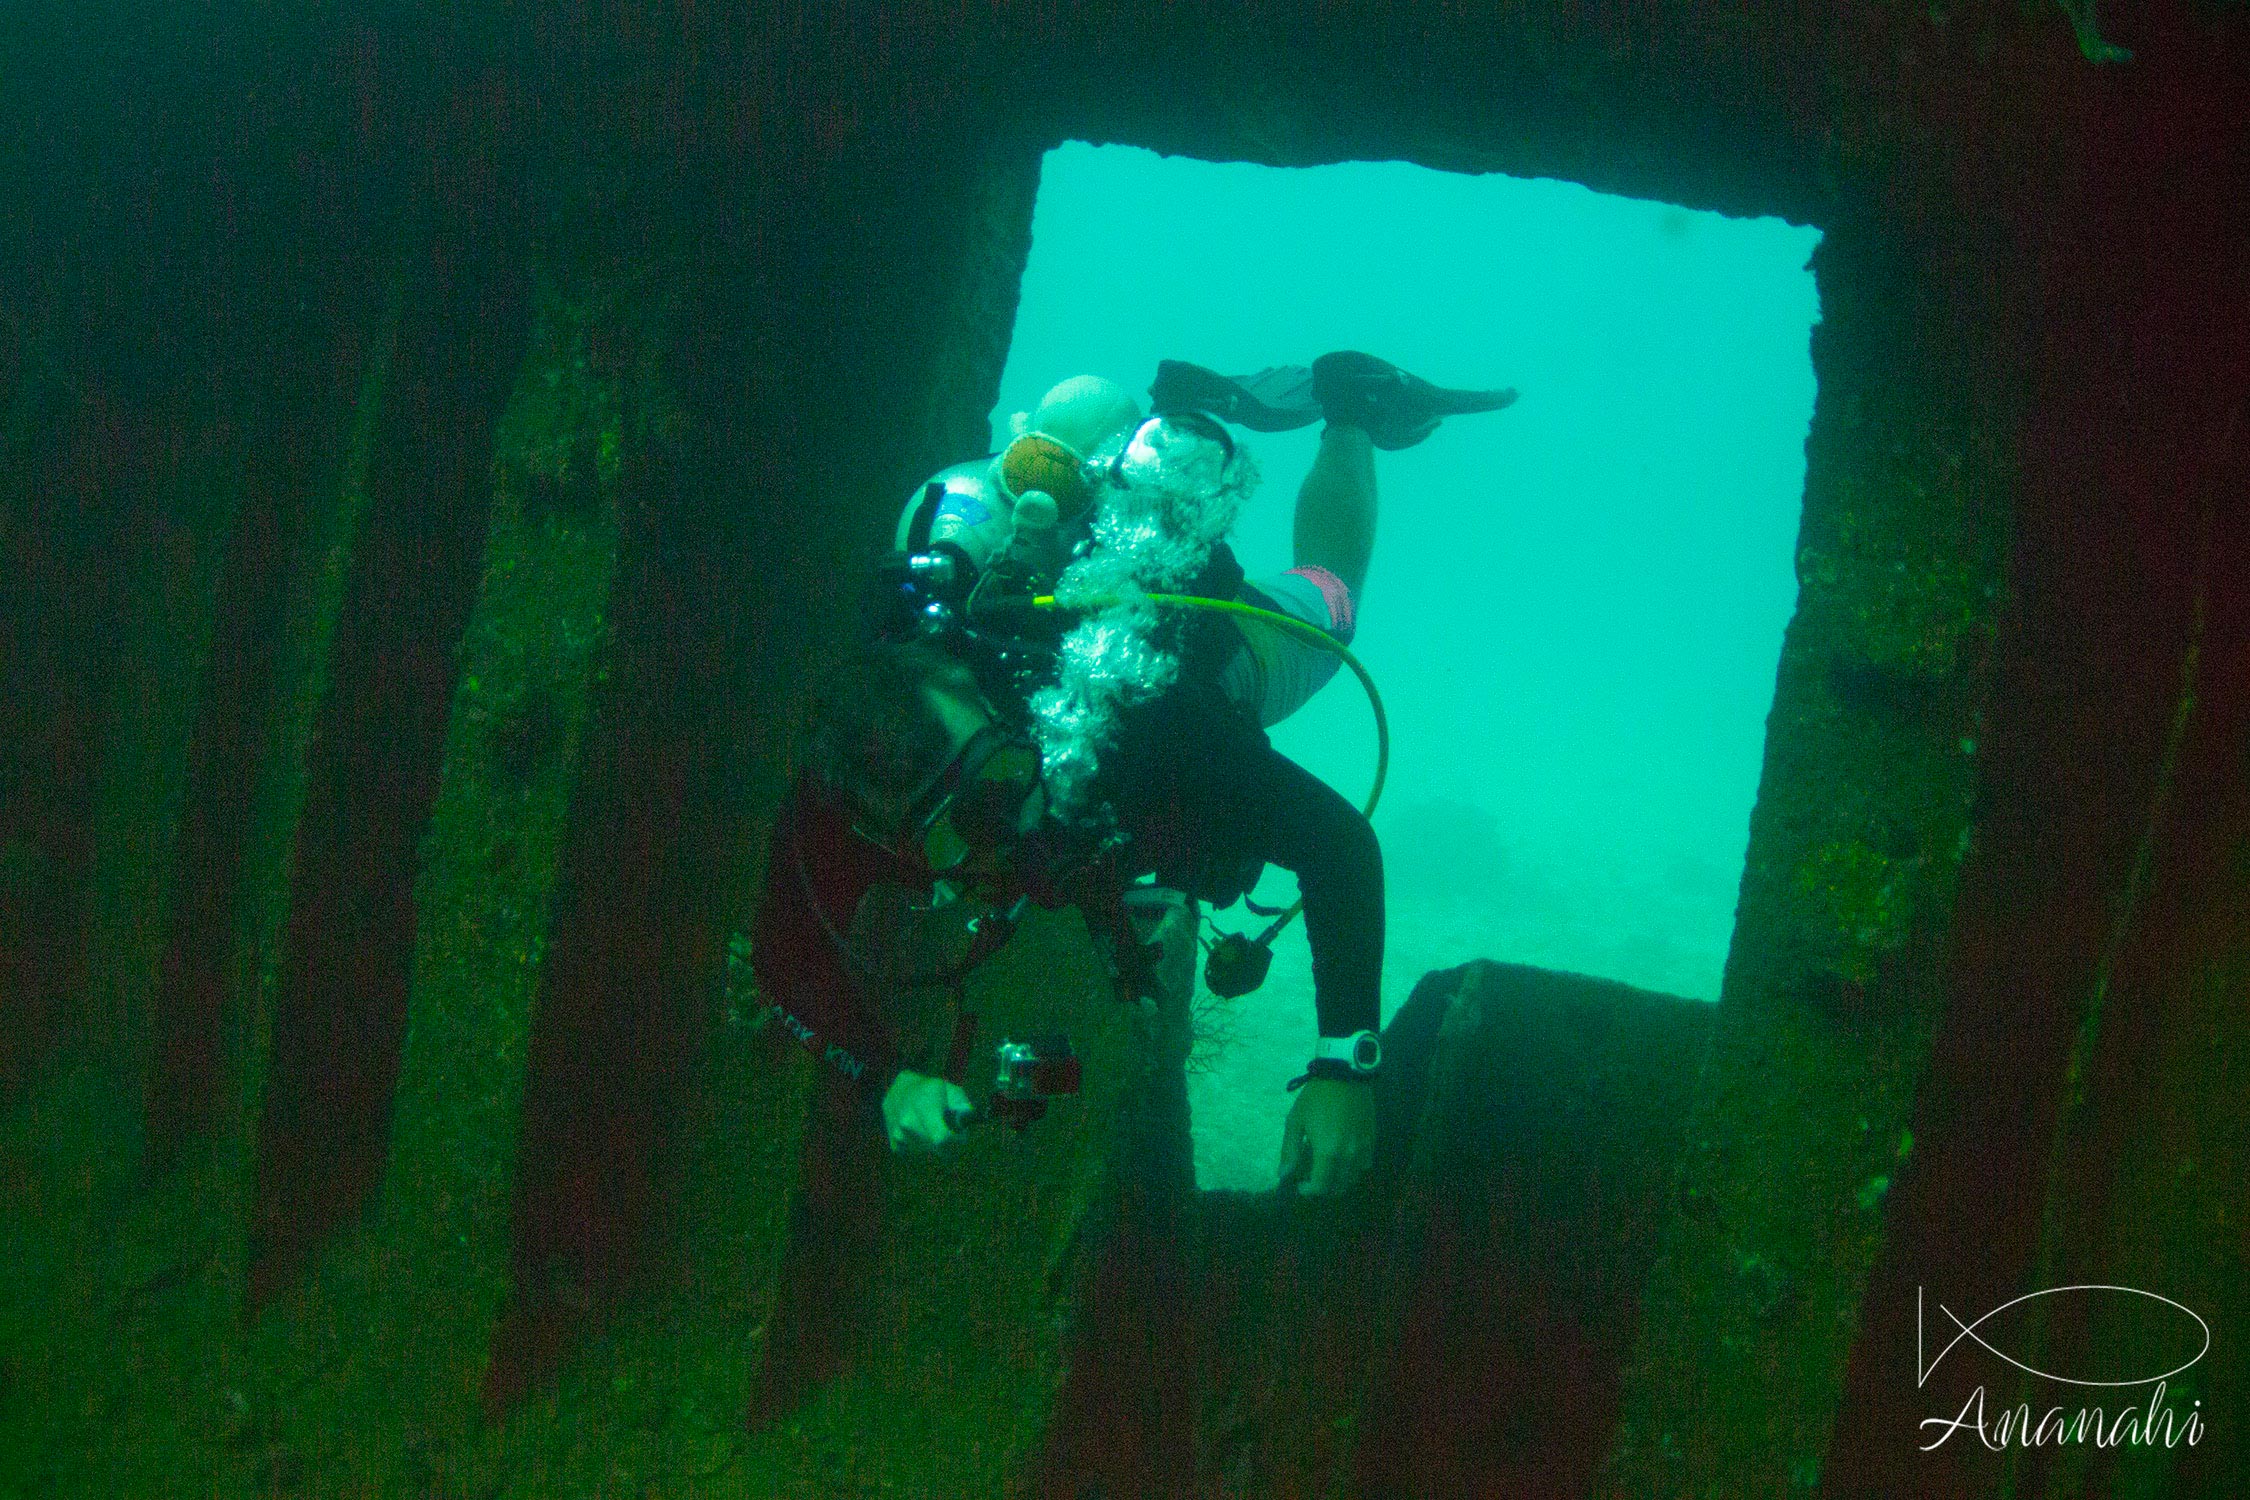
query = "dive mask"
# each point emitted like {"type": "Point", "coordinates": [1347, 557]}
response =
{"type": "Point", "coordinates": [1178, 448]}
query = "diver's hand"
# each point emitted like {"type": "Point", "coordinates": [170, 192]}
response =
{"type": "Point", "coordinates": [1329, 1141]}
{"type": "Point", "coordinates": [921, 1112]}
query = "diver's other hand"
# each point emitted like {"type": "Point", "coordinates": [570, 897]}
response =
{"type": "Point", "coordinates": [921, 1112]}
{"type": "Point", "coordinates": [1329, 1142]}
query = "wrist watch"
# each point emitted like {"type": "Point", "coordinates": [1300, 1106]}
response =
{"type": "Point", "coordinates": [1359, 1054]}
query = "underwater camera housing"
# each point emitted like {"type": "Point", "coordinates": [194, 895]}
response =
{"type": "Point", "coordinates": [1031, 1073]}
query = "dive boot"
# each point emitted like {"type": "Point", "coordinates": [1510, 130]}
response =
{"type": "Point", "coordinates": [1396, 409]}
{"type": "Point", "coordinates": [1277, 399]}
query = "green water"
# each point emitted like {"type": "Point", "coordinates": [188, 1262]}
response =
{"type": "Point", "coordinates": [1576, 605]}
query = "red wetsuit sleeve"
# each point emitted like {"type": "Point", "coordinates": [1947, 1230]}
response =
{"type": "Point", "coordinates": [814, 857]}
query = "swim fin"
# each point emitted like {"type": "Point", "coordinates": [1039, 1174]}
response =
{"type": "Point", "coordinates": [1278, 398]}
{"type": "Point", "coordinates": [1397, 410]}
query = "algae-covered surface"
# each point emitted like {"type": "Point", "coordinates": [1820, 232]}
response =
{"type": "Point", "coordinates": [134, 1363]}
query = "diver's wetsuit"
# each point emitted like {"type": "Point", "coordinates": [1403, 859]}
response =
{"type": "Point", "coordinates": [1200, 793]}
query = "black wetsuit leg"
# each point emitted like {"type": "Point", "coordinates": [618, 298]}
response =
{"type": "Point", "coordinates": [1206, 787]}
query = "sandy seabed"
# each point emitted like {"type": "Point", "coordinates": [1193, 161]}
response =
{"type": "Point", "coordinates": [1644, 926]}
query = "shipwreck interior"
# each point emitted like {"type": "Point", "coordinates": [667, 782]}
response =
{"type": "Point", "coordinates": [1576, 608]}
{"type": "Point", "coordinates": [410, 601]}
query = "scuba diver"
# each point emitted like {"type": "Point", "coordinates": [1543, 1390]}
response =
{"type": "Point", "coordinates": [1027, 726]}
